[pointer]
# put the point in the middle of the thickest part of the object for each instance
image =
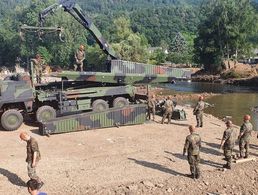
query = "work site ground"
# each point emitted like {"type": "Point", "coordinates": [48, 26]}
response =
{"type": "Point", "coordinates": [141, 159]}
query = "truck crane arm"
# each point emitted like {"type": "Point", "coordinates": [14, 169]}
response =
{"type": "Point", "coordinates": [75, 10]}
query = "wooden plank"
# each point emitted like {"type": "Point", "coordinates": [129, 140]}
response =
{"type": "Point", "coordinates": [242, 160]}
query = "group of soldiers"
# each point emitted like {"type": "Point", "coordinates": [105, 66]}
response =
{"type": "Point", "coordinates": [167, 104]}
{"type": "Point", "coordinates": [39, 63]}
{"type": "Point", "coordinates": [193, 140]}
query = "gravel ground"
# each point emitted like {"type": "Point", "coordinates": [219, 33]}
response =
{"type": "Point", "coordinates": [142, 159]}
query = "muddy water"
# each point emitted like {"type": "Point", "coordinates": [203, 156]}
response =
{"type": "Point", "coordinates": [235, 101]}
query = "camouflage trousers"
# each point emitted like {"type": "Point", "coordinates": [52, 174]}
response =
{"type": "Point", "coordinates": [32, 172]}
{"type": "Point", "coordinates": [244, 147]}
{"type": "Point", "coordinates": [194, 161]}
{"type": "Point", "coordinates": [199, 119]}
{"type": "Point", "coordinates": [80, 63]}
{"type": "Point", "coordinates": [151, 111]}
{"type": "Point", "coordinates": [228, 156]}
{"type": "Point", "coordinates": [168, 113]}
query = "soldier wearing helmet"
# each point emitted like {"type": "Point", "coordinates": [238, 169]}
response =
{"type": "Point", "coordinates": [228, 143]}
{"type": "Point", "coordinates": [38, 63]}
{"type": "Point", "coordinates": [152, 107]}
{"type": "Point", "coordinates": [192, 147]}
{"type": "Point", "coordinates": [79, 58]}
{"type": "Point", "coordinates": [198, 111]}
{"type": "Point", "coordinates": [169, 108]}
{"type": "Point", "coordinates": [33, 156]}
{"type": "Point", "coordinates": [245, 136]}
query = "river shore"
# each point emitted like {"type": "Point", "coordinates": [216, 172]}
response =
{"type": "Point", "coordinates": [142, 159]}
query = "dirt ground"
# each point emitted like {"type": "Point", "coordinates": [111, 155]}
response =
{"type": "Point", "coordinates": [142, 159]}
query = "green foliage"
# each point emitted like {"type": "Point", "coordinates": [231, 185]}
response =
{"type": "Point", "coordinates": [232, 75]}
{"type": "Point", "coordinates": [44, 53]}
{"type": "Point", "coordinates": [224, 32]}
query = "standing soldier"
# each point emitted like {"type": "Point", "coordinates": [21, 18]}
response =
{"type": "Point", "coordinates": [228, 143]}
{"type": "Point", "coordinates": [38, 67]}
{"type": "Point", "coordinates": [245, 136]}
{"type": "Point", "coordinates": [33, 157]}
{"type": "Point", "coordinates": [151, 107]}
{"type": "Point", "coordinates": [192, 147]}
{"type": "Point", "coordinates": [79, 58]}
{"type": "Point", "coordinates": [169, 107]}
{"type": "Point", "coordinates": [198, 111]}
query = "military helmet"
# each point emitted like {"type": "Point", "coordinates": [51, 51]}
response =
{"type": "Point", "coordinates": [247, 117]}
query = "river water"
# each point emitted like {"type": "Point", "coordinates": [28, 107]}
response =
{"type": "Point", "coordinates": [234, 101]}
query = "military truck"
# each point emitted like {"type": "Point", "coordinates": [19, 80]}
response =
{"type": "Point", "coordinates": [77, 92]}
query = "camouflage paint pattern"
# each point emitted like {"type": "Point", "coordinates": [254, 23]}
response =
{"type": "Point", "coordinates": [129, 115]}
{"type": "Point", "coordinates": [16, 92]}
{"type": "Point", "coordinates": [126, 67]}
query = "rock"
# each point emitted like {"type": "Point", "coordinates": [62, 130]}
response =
{"type": "Point", "coordinates": [160, 185]}
{"type": "Point", "coordinates": [132, 187]}
{"type": "Point", "coordinates": [256, 170]}
{"type": "Point", "coordinates": [169, 190]}
{"type": "Point", "coordinates": [148, 184]}
{"type": "Point", "coordinates": [206, 183]}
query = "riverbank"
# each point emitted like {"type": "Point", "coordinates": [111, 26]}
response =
{"type": "Point", "coordinates": [142, 159]}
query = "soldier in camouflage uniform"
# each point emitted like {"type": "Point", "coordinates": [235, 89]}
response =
{"type": "Point", "coordinates": [79, 58]}
{"type": "Point", "coordinates": [228, 143]}
{"type": "Point", "coordinates": [169, 107]}
{"type": "Point", "coordinates": [33, 156]}
{"type": "Point", "coordinates": [151, 107]}
{"type": "Point", "coordinates": [38, 67]}
{"type": "Point", "coordinates": [245, 136]}
{"type": "Point", "coordinates": [198, 111]}
{"type": "Point", "coordinates": [192, 147]}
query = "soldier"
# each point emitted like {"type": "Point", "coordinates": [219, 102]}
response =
{"type": "Point", "coordinates": [38, 67]}
{"type": "Point", "coordinates": [192, 147]}
{"type": "Point", "coordinates": [79, 58]}
{"type": "Point", "coordinates": [169, 107]}
{"type": "Point", "coordinates": [244, 136]}
{"type": "Point", "coordinates": [33, 156]}
{"type": "Point", "coordinates": [198, 111]}
{"type": "Point", "coordinates": [151, 107]}
{"type": "Point", "coordinates": [228, 143]}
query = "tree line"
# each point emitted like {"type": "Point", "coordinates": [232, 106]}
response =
{"type": "Point", "coordinates": [204, 32]}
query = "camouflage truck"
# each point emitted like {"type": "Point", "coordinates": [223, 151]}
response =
{"type": "Point", "coordinates": [78, 91]}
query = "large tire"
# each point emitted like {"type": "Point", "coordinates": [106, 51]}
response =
{"type": "Point", "coordinates": [45, 113]}
{"type": "Point", "coordinates": [11, 120]}
{"type": "Point", "coordinates": [99, 105]}
{"type": "Point", "coordinates": [120, 102]}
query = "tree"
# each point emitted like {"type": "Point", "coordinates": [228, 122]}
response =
{"type": "Point", "coordinates": [224, 32]}
{"type": "Point", "coordinates": [129, 45]}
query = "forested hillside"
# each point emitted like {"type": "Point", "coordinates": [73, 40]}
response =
{"type": "Point", "coordinates": [131, 26]}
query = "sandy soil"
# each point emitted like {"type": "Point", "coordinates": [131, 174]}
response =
{"type": "Point", "coordinates": [143, 159]}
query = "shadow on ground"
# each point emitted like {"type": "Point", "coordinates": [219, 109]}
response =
{"type": "Point", "coordinates": [203, 161]}
{"type": "Point", "coordinates": [156, 166]}
{"type": "Point", "coordinates": [13, 178]}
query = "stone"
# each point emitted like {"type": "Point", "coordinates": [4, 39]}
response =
{"type": "Point", "coordinates": [169, 190]}
{"type": "Point", "coordinates": [148, 184]}
{"type": "Point", "coordinates": [132, 187]}
{"type": "Point", "coordinates": [160, 185]}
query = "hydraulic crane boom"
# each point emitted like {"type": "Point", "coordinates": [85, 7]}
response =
{"type": "Point", "coordinates": [75, 10]}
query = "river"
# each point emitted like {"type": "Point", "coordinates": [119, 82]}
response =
{"type": "Point", "coordinates": [234, 101]}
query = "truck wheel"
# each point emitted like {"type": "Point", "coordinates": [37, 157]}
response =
{"type": "Point", "coordinates": [45, 113]}
{"type": "Point", "coordinates": [120, 102]}
{"type": "Point", "coordinates": [99, 105]}
{"type": "Point", "coordinates": [11, 120]}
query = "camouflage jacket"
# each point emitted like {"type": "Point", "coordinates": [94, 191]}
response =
{"type": "Point", "coordinates": [245, 131]}
{"type": "Point", "coordinates": [79, 55]}
{"type": "Point", "coordinates": [192, 144]}
{"type": "Point", "coordinates": [169, 105]}
{"type": "Point", "coordinates": [200, 106]}
{"type": "Point", "coordinates": [32, 146]}
{"type": "Point", "coordinates": [229, 139]}
{"type": "Point", "coordinates": [152, 103]}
